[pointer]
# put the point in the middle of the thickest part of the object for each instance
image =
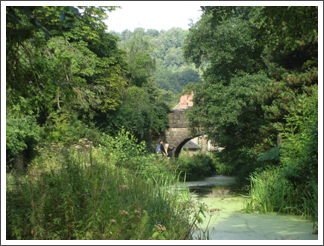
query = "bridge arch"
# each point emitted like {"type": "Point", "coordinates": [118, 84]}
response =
{"type": "Point", "coordinates": [177, 150]}
{"type": "Point", "coordinates": [178, 132]}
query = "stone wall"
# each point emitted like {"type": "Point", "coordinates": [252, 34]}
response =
{"type": "Point", "coordinates": [175, 136]}
{"type": "Point", "coordinates": [178, 132]}
{"type": "Point", "coordinates": [178, 119]}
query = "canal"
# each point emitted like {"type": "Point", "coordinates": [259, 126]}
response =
{"type": "Point", "coordinates": [224, 199]}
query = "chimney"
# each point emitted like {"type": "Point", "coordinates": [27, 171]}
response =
{"type": "Point", "coordinates": [185, 101]}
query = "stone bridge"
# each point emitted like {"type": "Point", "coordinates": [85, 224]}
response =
{"type": "Point", "coordinates": [178, 132]}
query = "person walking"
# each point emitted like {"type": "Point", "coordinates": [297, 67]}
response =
{"type": "Point", "coordinates": [160, 148]}
{"type": "Point", "coordinates": [168, 151]}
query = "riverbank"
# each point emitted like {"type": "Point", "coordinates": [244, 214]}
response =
{"type": "Point", "coordinates": [94, 194]}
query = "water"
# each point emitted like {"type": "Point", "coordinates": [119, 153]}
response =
{"type": "Point", "coordinates": [222, 196]}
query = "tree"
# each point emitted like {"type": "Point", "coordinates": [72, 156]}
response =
{"type": "Point", "coordinates": [171, 71]}
{"type": "Point", "coordinates": [78, 60]}
{"type": "Point", "coordinates": [140, 64]}
{"type": "Point", "coordinates": [126, 35]}
{"type": "Point", "coordinates": [247, 88]}
{"type": "Point", "coordinates": [152, 32]}
{"type": "Point", "coordinates": [290, 26]}
{"type": "Point", "coordinates": [141, 113]}
{"type": "Point", "coordinates": [59, 62]}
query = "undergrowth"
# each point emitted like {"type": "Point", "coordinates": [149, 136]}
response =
{"type": "Point", "coordinates": [82, 193]}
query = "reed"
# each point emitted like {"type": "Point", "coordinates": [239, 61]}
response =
{"type": "Point", "coordinates": [308, 208]}
{"type": "Point", "coordinates": [268, 192]}
{"type": "Point", "coordinates": [80, 194]}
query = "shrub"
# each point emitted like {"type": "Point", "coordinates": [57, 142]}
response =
{"type": "Point", "coordinates": [300, 153]}
{"type": "Point", "coordinates": [123, 150]}
{"type": "Point", "coordinates": [196, 167]}
{"type": "Point", "coordinates": [65, 128]}
{"type": "Point", "coordinates": [22, 136]}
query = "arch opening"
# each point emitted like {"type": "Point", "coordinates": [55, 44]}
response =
{"type": "Point", "coordinates": [182, 143]}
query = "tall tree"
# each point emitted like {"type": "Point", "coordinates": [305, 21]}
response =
{"type": "Point", "coordinates": [141, 63]}
{"type": "Point", "coordinates": [76, 59]}
{"type": "Point", "coordinates": [247, 88]}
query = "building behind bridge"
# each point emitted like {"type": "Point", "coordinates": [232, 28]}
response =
{"type": "Point", "coordinates": [185, 102]}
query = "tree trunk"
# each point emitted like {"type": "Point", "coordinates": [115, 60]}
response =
{"type": "Point", "coordinates": [278, 140]}
{"type": "Point", "coordinates": [20, 165]}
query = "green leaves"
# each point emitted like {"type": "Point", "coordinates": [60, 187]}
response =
{"type": "Point", "coordinates": [291, 26]}
{"type": "Point", "coordinates": [22, 135]}
{"type": "Point", "coordinates": [141, 113]}
{"type": "Point", "coordinates": [62, 17]}
{"type": "Point", "coordinates": [53, 72]}
{"type": "Point", "coordinates": [300, 142]}
{"type": "Point", "coordinates": [165, 50]}
{"type": "Point", "coordinates": [141, 64]}
{"type": "Point", "coordinates": [272, 154]}
{"type": "Point", "coordinates": [248, 88]}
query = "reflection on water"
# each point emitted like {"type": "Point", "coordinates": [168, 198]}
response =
{"type": "Point", "coordinates": [217, 186]}
{"type": "Point", "coordinates": [218, 190]}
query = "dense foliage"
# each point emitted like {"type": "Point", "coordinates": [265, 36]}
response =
{"type": "Point", "coordinates": [22, 136]}
{"type": "Point", "coordinates": [258, 99]}
{"type": "Point", "coordinates": [66, 71]}
{"type": "Point", "coordinates": [247, 88]}
{"type": "Point", "coordinates": [83, 99]}
{"type": "Point", "coordinates": [172, 72]}
{"type": "Point", "coordinates": [98, 194]}
{"type": "Point", "coordinates": [196, 167]}
{"type": "Point", "coordinates": [78, 64]}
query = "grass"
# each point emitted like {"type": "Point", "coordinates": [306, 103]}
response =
{"type": "Point", "coordinates": [270, 192]}
{"type": "Point", "coordinates": [79, 194]}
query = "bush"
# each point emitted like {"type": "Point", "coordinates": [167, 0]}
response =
{"type": "Point", "coordinates": [300, 153]}
{"type": "Point", "coordinates": [65, 128]}
{"type": "Point", "coordinates": [125, 152]}
{"type": "Point", "coordinates": [196, 167]}
{"type": "Point", "coordinates": [241, 166]}
{"type": "Point", "coordinates": [22, 136]}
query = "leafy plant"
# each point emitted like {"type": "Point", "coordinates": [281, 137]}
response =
{"type": "Point", "coordinates": [65, 128]}
{"type": "Point", "coordinates": [196, 167]}
{"type": "Point", "coordinates": [22, 136]}
{"type": "Point", "coordinates": [76, 194]}
{"type": "Point", "coordinates": [272, 154]}
{"type": "Point", "coordinates": [300, 142]}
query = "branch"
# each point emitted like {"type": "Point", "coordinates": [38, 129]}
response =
{"type": "Point", "coordinates": [58, 97]}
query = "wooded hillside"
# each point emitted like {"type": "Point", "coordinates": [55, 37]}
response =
{"type": "Point", "coordinates": [172, 72]}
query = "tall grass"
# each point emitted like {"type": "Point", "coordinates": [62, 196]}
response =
{"type": "Point", "coordinates": [271, 192]}
{"type": "Point", "coordinates": [79, 194]}
{"type": "Point", "coordinates": [268, 192]}
{"type": "Point", "coordinates": [309, 205]}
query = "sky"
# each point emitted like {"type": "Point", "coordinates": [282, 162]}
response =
{"type": "Point", "coordinates": [153, 15]}
{"type": "Point", "coordinates": [167, 14]}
